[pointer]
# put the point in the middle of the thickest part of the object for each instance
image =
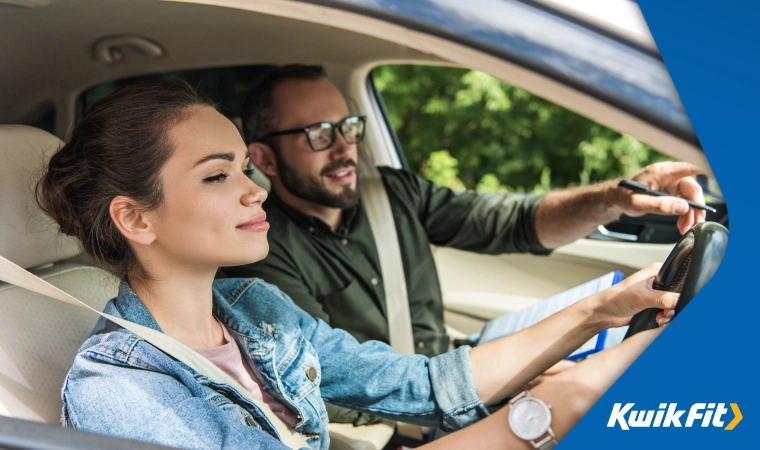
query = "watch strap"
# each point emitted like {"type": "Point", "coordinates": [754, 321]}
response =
{"type": "Point", "coordinates": [547, 443]}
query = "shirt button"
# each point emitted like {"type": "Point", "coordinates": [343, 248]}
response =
{"type": "Point", "coordinates": [249, 422]}
{"type": "Point", "coordinates": [312, 229]}
{"type": "Point", "coordinates": [344, 241]}
{"type": "Point", "coordinates": [374, 281]}
{"type": "Point", "coordinates": [311, 373]}
{"type": "Point", "coordinates": [420, 344]}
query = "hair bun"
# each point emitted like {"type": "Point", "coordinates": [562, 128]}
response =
{"type": "Point", "coordinates": [70, 227]}
{"type": "Point", "coordinates": [53, 198]}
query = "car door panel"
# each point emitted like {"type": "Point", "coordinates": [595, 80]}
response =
{"type": "Point", "coordinates": [477, 288]}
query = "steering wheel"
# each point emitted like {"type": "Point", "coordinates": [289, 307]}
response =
{"type": "Point", "coordinates": [690, 265]}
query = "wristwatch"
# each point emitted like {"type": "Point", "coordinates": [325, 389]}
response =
{"type": "Point", "coordinates": [530, 419]}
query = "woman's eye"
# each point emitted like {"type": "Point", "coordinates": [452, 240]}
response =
{"type": "Point", "coordinates": [249, 172]}
{"type": "Point", "coordinates": [216, 178]}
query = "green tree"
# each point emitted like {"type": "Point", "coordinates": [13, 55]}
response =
{"type": "Point", "coordinates": [441, 169]}
{"type": "Point", "coordinates": [466, 129]}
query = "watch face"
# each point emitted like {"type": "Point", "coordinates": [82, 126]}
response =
{"type": "Point", "coordinates": [529, 418]}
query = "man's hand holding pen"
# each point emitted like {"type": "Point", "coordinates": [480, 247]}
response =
{"type": "Point", "coordinates": [671, 189]}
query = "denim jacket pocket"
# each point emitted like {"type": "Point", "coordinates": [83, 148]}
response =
{"type": "Point", "coordinates": [235, 410]}
{"type": "Point", "coordinates": [301, 374]}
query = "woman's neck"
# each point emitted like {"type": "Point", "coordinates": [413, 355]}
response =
{"type": "Point", "coordinates": [181, 302]}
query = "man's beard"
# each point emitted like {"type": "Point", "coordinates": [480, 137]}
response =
{"type": "Point", "coordinates": [313, 189]}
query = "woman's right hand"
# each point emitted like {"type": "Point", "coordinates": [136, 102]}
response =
{"type": "Point", "coordinates": [617, 305]}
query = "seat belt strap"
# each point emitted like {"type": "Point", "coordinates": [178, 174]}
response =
{"type": "Point", "coordinates": [378, 207]}
{"type": "Point", "coordinates": [13, 274]}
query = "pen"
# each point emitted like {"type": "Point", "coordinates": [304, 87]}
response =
{"type": "Point", "coordinates": [640, 188]}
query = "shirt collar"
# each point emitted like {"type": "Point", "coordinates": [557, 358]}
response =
{"type": "Point", "coordinates": [305, 220]}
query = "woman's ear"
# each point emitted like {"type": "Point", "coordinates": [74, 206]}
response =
{"type": "Point", "coordinates": [262, 156]}
{"type": "Point", "coordinates": [132, 221]}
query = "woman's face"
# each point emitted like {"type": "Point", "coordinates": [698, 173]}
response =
{"type": "Point", "coordinates": [211, 214]}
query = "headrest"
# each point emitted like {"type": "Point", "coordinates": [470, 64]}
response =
{"type": "Point", "coordinates": [27, 236]}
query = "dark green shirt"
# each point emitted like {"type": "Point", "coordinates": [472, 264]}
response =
{"type": "Point", "coordinates": [336, 276]}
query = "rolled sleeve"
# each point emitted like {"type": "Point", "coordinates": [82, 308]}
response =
{"type": "Point", "coordinates": [454, 389]}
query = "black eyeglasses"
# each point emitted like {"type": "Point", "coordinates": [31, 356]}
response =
{"type": "Point", "coordinates": [321, 136]}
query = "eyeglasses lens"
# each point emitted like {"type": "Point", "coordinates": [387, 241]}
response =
{"type": "Point", "coordinates": [352, 129]}
{"type": "Point", "coordinates": [321, 136]}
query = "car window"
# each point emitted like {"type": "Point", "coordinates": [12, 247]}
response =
{"type": "Point", "coordinates": [44, 119]}
{"type": "Point", "coordinates": [467, 130]}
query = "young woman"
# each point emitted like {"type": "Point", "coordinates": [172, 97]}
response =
{"type": "Point", "coordinates": [154, 183]}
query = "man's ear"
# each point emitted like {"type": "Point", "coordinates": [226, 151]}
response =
{"type": "Point", "coordinates": [262, 156]}
{"type": "Point", "coordinates": [132, 221]}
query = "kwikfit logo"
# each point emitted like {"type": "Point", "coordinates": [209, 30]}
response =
{"type": "Point", "coordinates": [668, 415]}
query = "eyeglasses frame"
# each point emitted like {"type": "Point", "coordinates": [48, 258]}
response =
{"type": "Point", "coordinates": [333, 136]}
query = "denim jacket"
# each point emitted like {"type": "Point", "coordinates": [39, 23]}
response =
{"type": "Point", "coordinates": [122, 386]}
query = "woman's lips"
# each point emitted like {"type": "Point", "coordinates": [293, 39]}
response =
{"type": "Point", "coordinates": [258, 223]}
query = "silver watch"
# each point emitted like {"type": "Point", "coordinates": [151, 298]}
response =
{"type": "Point", "coordinates": [530, 419]}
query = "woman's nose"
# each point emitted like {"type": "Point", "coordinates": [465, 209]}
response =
{"type": "Point", "coordinates": [253, 194]}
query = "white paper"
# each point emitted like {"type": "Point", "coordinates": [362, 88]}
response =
{"type": "Point", "coordinates": [519, 320]}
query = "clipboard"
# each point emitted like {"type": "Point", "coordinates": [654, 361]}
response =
{"type": "Point", "coordinates": [526, 317]}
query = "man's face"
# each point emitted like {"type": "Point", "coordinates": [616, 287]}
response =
{"type": "Point", "coordinates": [327, 178]}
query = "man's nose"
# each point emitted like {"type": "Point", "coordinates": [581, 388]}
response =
{"type": "Point", "coordinates": [341, 149]}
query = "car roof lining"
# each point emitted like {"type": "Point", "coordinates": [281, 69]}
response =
{"type": "Point", "coordinates": [193, 38]}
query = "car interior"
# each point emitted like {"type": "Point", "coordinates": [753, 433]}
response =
{"type": "Point", "coordinates": [61, 56]}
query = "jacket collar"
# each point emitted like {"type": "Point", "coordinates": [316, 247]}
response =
{"type": "Point", "coordinates": [131, 308]}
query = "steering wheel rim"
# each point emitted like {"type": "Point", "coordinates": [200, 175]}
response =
{"type": "Point", "coordinates": [689, 266]}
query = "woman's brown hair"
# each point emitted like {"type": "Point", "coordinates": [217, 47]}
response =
{"type": "Point", "coordinates": [118, 148]}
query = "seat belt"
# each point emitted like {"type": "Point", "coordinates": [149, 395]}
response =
{"type": "Point", "coordinates": [380, 215]}
{"type": "Point", "coordinates": [378, 207]}
{"type": "Point", "coordinates": [13, 274]}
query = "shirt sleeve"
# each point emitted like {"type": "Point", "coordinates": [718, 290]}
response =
{"type": "Point", "coordinates": [491, 223]}
{"type": "Point", "coordinates": [372, 377]}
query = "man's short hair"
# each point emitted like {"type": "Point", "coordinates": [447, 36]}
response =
{"type": "Point", "coordinates": [259, 115]}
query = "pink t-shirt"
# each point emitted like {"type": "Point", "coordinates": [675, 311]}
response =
{"type": "Point", "coordinates": [228, 358]}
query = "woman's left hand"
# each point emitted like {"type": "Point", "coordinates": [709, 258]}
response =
{"type": "Point", "coordinates": [616, 305]}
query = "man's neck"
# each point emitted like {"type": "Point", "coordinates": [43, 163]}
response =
{"type": "Point", "coordinates": [333, 217]}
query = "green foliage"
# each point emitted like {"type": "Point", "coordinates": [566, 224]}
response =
{"type": "Point", "coordinates": [468, 130]}
{"type": "Point", "coordinates": [442, 170]}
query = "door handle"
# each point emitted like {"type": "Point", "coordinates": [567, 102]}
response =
{"type": "Point", "coordinates": [604, 234]}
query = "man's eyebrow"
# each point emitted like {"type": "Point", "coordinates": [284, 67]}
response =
{"type": "Point", "coordinates": [225, 156]}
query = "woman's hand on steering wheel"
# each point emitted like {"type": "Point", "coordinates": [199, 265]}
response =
{"type": "Point", "coordinates": [616, 305]}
